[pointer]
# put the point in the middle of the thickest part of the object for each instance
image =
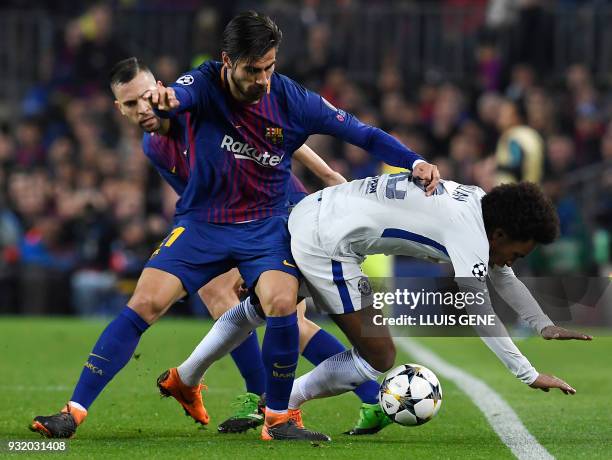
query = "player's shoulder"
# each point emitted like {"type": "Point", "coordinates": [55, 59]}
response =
{"type": "Point", "coordinates": [287, 85]}
{"type": "Point", "coordinates": [210, 68]}
{"type": "Point", "coordinates": [207, 72]}
{"type": "Point", "coordinates": [153, 143]}
{"type": "Point", "coordinates": [148, 143]}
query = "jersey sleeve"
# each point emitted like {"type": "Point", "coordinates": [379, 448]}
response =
{"type": "Point", "coordinates": [192, 90]}
{"type": "Point", "coordinates": [496, 337]}
{"type": "Point", "coordinates": [318, 116]}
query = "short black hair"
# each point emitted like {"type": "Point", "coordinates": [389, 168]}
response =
{"type": "Point", "coordinates": [249, 36]}
{"type": "Point", "coordinates": [522, 211]}
{"type": "Point", "coordinates": [125, 70]}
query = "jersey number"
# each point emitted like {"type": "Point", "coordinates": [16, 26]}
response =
{"type": "Point", "coordinates": [391, 191]}
{"type": "Point", "coordinates": [170, 239]}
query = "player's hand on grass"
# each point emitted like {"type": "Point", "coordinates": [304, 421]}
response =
{"type": "Point", "coordinates": [559, 333]}
{"type": "Point", "coordinates": [429, 175]}
{"type": "Point", "coordinates": [545, 382]}
{"type": "Point", "coordinates": [163, 98]}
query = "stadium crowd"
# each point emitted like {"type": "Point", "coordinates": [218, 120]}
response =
{"type": "Point", "coordinates": [81, 210]}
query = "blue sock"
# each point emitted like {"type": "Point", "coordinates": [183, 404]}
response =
{"type": "Point", "coordinates": [111, 352]}
{"type": "Point", "coordinates": [368, 391]}
{"type": "Point", "coordinates": [321, 346]}
{"type": "Point", "coordinates": [247, 357]}
{"type": "Point", "coordinates": [280, 355]}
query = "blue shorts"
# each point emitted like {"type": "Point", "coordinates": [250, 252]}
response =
{"type": "Point", "coordinates": [196, 252]}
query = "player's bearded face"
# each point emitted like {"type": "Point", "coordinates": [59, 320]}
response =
{"type": "Point", "coordinates": [251, 79]}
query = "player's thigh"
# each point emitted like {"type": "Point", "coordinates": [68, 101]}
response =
{"type": "Point", "coordinates": [221, 293]}
{"type": "Point", "coordinates": [277, 292]}
{"type": "Point", "coordinates": [377, 349]}
{"type": "Point", "coordinates": [336, 287]}
{"type": "Point", "coordinates": [155, 292]}
{"type": "Point", "coordinates": [263, 253]}
{"type": "Point", "coordinates": [194, 253]}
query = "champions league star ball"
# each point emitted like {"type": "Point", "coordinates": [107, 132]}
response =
{"type": "Point", "coordinates": [410, 394]}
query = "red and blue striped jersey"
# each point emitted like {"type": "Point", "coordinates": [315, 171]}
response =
{"type": "Point", "coordinates": [240, 154]}
{"type": "Point", "coordinates": [169, 154]}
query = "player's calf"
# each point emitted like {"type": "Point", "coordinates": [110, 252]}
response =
{"type": "Point", "coordinates": [379, 353]}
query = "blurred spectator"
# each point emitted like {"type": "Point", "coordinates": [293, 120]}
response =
{"type": "Point", "coordinates": [520, 150]}
{"type": "Point", "coordinates": [98, 50]}
{"type": "Point", "coordinates": [311, 67]}
{"type": "Point", "coordinates": [30, 151]}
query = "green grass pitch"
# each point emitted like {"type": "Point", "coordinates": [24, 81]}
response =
{"type": "Point", "coordinates": [41, 359]}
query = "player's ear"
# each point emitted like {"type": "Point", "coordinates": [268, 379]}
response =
{"type": "Point", "coordinates": [498, 235]}
{"type": "Point", "coordinates": [227, 62]}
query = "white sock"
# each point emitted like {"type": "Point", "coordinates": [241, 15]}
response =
{"type": "Point", "coordinates": [229, 331]}
{"type": "Point", "coordinates": [337, 374]}
{"type": "Point", "coordinates": [77, 405]}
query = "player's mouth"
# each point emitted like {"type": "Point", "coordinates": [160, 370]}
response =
{"type": "Point", "coordinates": [256, 91]}
{"type": "Point", "coordinates": [148, 123]}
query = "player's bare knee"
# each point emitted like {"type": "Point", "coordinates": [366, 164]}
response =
{"type": "Point", "coordinates": [281, 304]}
{"type": "Point", "coordinates": [147, 307]}
{"type": "Point", "coordinates": [387, 358]}
{"type": "Point", "coordinates": [381, 358]}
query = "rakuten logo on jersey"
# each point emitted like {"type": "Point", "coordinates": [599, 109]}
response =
{"type": "Point", "coordinates": [244, 151]}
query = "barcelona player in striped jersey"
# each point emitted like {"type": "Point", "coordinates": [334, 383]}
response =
{"type": "Point", "coordinates": [164, 144]}
{"type": "Point", "coordinates": [244, 122]}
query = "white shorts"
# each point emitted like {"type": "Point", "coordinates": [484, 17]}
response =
{"type": "Point", "coordinates": [337, 287]}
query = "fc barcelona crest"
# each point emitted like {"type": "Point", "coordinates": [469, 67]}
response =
{"type": "Point", "coordinates": [274, 135]}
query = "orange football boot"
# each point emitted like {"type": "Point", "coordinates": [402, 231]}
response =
{"type": "Point", "coordinates": [170, 384]}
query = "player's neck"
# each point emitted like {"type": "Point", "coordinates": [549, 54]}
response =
{"type": "Point", "coordinates": [164, 127]}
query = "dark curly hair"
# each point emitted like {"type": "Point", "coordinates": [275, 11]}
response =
{"type": "Point", "coordinates": [522, 211]}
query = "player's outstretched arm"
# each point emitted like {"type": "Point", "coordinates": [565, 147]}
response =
{"type": "Point", "coordinates": [545, 382]}
{"type": "Point", "coordinates": [317, 166]}
{"type": "Point", "coordinates": [321, 117]}
{"type": "Point", "coordinates": [163, 98]}
{"type": "Point", "coordinates": [559, 333]}
{"type": "Point", "coordinates": [518, 297]}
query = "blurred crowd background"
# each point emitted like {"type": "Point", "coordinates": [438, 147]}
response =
{"type": "Point", "coordinates": [491, 91]}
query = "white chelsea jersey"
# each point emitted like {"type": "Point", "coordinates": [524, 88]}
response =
{"type": "Point", "coordinates": [390, 214]}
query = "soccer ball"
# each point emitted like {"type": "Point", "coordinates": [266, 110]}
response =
{"type": "Point", "coordinates": [410, 394]}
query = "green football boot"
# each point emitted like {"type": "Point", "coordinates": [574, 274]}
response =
{"type": "Point", "coordinates": [248, 415]}
{"type": "Point", "coordinates": [371, 420]}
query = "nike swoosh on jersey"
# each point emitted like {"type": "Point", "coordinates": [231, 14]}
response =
{"type": "Point", "coordinates": [288, 264]}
